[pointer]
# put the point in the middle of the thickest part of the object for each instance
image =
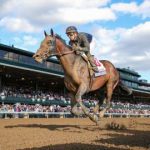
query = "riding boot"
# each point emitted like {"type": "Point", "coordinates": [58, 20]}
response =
{"type": "Point", "coordinates": [91, 60]}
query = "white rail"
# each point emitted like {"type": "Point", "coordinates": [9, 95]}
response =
{"type": "Point", "coordinates": [65, 114]}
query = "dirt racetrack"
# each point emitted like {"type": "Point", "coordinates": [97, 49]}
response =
{"type": "Point", "coordinates": [74, 134]}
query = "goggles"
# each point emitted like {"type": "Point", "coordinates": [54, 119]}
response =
{"type": "Point", "coordinates": [70, 34]}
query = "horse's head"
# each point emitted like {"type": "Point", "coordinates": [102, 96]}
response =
{"type": "Point", "coordinates": [47, 48]}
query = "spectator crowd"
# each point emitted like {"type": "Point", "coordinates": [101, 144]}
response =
{"type": "Point", "coordinates": [39, 95]}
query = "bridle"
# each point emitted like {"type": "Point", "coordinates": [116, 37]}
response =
{"type": "Point", "coordinates": [53, 52]}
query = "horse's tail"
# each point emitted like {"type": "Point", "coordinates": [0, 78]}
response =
{"type": "Point", "coordinates": [125, 88]}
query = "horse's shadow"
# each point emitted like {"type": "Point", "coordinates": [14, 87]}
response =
{"type": "Point", "coordinates": [130, 138]}
{"type": "Point", "coordinates": [73, 146]}
{"type": "Point", "coordinates": [57, 127]}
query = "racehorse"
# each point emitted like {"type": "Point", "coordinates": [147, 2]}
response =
{"type": "Point", "coordinates": [77, 78]}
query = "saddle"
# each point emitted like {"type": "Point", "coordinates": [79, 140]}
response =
{"type": "Point", "coordinates": [101, 68]}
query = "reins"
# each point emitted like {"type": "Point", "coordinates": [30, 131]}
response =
{"type": "Point", "coordinates": [64, 53]}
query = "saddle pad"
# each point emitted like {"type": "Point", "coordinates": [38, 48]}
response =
{"type": "Point", "coordinates": [101, 68]}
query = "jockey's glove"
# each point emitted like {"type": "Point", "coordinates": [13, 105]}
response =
{"type": "Point", "coordinates": [83, 49]}
{"type": "Point", "coordinates": [78, 52]}
{"type": "Point", "coordinates": [77, 48]}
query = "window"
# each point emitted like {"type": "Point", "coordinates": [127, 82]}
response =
{"type": "Point", "coordinates": [2, 54]}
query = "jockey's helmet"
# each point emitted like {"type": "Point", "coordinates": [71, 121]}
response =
{"type": "Point", "coordinates": [71, 29]}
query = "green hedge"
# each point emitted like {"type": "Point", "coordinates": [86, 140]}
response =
{"type": "Point", "coordinates": [14, 100]}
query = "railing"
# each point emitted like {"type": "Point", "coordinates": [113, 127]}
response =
{"type": "Point", "coordinates": [61, 115]}
{"type": "Point", "coordinates": [35, 115]}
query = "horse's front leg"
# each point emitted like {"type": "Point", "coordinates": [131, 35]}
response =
{"type": "Point", "coordinates": [74, 105]}
{"type": "Point", "coordinates": [78, 97]}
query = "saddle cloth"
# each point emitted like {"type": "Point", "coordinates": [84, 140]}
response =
{"type": "Point", "coordinates": [101, 68]}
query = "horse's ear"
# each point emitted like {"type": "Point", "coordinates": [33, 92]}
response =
{"type": "Point", "coordinates": [45, 33]}
{"type": "Point", "coordinates": [52, 32]}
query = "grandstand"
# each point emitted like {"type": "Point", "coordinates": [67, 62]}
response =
{"type": "Point", "coordinates": [24, 81]}
{"type": "Point", "coordinates": [141, 88]}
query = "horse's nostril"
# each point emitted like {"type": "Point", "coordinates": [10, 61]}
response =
{"type": "Point", "coordinates": [34, 56]}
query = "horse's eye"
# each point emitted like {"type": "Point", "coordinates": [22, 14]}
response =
{"type": "Point", "coordinates": [49, 42]}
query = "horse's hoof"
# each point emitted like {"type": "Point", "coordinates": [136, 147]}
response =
{"type": "Point", "coordinates": [96, 118]}
{"type": "Point", "coordinates": [101, 114]}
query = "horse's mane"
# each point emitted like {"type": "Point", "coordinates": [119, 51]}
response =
{"type": "Point", "coordinates": [60, 38]}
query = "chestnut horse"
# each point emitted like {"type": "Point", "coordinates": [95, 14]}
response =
{"type": "Point", "coordinates": [76, 74]}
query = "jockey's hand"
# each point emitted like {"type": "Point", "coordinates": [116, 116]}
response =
{"type": "Point", "coordinates": [77, 48]}
{"type": "Point", "coordinates": [78, 52]}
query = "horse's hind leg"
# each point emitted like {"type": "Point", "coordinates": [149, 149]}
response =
{"type": "Point", "coordinates": [107, 99]}
{"type": "Point", "coordinates": [96, 108]}
{"type": "Point", "coordinates": [101, 96]}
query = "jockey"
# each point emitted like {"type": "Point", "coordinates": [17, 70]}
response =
{"type": "Point", "coordinates": [79, 42]}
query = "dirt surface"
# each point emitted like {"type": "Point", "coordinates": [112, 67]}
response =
{"type": "Point", "coordinates": [75, 134]}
